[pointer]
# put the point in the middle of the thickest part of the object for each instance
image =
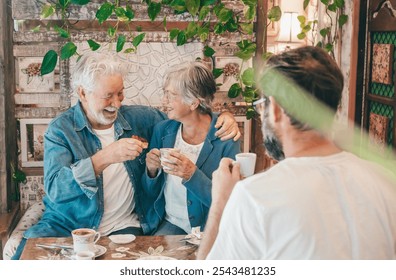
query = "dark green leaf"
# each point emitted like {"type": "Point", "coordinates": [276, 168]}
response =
{"type": "Point", "coordinates": [47, 11]}
{"type": "Point", "coordinates": [219, 28]}
{"type": "Point", "coordinates": [306, 28]}
{"type": "Point", "coordinates": [173, 33]}
{"type": "Point", "coordinates": [193, 6]}
{"type": "Point", "coordinates": [80, 2]}
{"type": "Point", "coordinates": [208, 51]}
{"type": "Point", "coordinates": [274, 14]}
{"type": "Point", "coordinates": [203, 32]}
{"type": "Point", "coordinates": [339, 3]}
{"type": "Point", "coordinates": [138, 39]}
{"type": "Point", "coordinates": [104, 12]}
{"type": "Point", "coordinates": [121, 14]}
{"type": "Point", "coordinates": [64, 3]}
{"type": "Point", "coordinates": [234, 91]}
{"type": "Point", "coordinates": [305, 4]}
{"type": "Point", "coordinates": [332, 7]}
{"type": "Point", "coordinates": [248, 77]}
{"type": "Point", "coordinates": [250, 113]}
{"type": "Point", "coordinates": [342, 20]}
{"type": "Point", "coordinates": [217, 8]}
{"type": "Point", "coordinates": [153, 10]}
{"type": "Point", "coordinates": [267, 55]}
{"type": "Point", "coordinates": [192, 29]}
{"type": "Point", "coordinates": [178, 5]}
{"type": "Point", "coordinates": [225, 15]}
{"type": "Point", "coordinates": [19, 176]}
{"type": "Point", "coordinates": [62, 32]}
{"type": "Point", "coordinates": [329, 47]}
{"type": "Point", "coordinates": [68, 50]}
{"type": "Point", "coordinates": [217, 72]}
{"type": "Point", "coordinates": [129, 12]}
{"type": "Point", "coordinates": [181, 38]}
{"type": "Point", "coordinates": [93, 45]}
{"type": "Point", "coordinates": [49, 62]}
{"type": "Point", "coordinates": [207, 2]}
{"type": "Point", "coordinates": [249, 94]}
{"type": "Point", "coordinates": [323, 32]}
{"type": "Point", "coordinates": [231, 25]}
{"type": "Point", "coordinates": [326, 2]}
{"type": "Point", "coordinates": [120, 42]}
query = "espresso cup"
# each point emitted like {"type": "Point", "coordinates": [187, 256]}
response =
{"type": "Point", "coordinates": [84, 239]}
{"type": "Point", "coordinates": [247, 163]}
{"type": "Point", "coordinates": [85, 255]}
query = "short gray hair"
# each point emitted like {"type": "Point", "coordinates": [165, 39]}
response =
{"type": "Point", "coordinates": [193, 80]}
{"type": "Point", "coordinates": [92, 66]}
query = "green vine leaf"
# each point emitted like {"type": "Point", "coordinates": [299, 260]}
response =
{"type": "Point", "coordinates": [248, 77]}
{"type": "Point", "coordinates": [234, 91]}
{"type": "Point", "coordinates": [339, 3]}
{"type": "Point", "coordinates": [225, 15]}
{"type": "Point", "coordinates": [104, 12]}
{"type": "Point", "coordinates": [250, 13]}
{"type": "Point", "coordinates": [249, 94]}
{"type": "Point", "coordinates": [130, 14]}
{"type": "Point", "coordinates": [62, 32]}
{"type": "Point", "coordinates": [342, 20]}
{"type": "Point", "coordinates": [153, 10]}
{"type": "Point", "coordinates": [181, 38]}
{"type": "Point", "coordinates": [111, 31]}
{"type": "Point", "coordinates": [305, 4]}
{"type": "Point", "coordinates": [47, 11]}
{"type": "Point", "coordinates": [93, 45]}
{"type": "Point", "coordinates": [217, 72]}
{"type": "Point", "coordinates": [250, 2]}
{"type": "Point", "coordinates": [80, 2]}
{"type": "Point", "coordinates": [64, 3]}
{"type": "Point", "coordinates": [68, 50]}
{"type": "Point", "coordinates": [192, 6]}
{"type": "Point", "coordinates": [274, 14]}
{"type": "Point", "coordinates": [121, 14]}
{"type": "Point", "coordinates": [173, 33]}
{"type": "Point", "coordinates": [250, 113]}
{"type": "Point", "coordinates": [231, 25]}
{"type": "Point", "coordinates": [192, 29]}
{"type": "Point", "coordinates": [246, 28]}
{"type": "Point", "coordinates": [208, 2]}
{"type": "Point", "coordinates": [138, 39]}
{"type": "Point", "coordinates": [203, 13]}
{"type": "Point", "coordinates": [219, 28]}
{"type": "Point", "coordinates": [120, 42]}
{"type": "Point", "coordinates": [208, 51]}
{"type": "Point", "coordinates": [203, 32]}
{"type": "Point", "coordinates": [49, 62]}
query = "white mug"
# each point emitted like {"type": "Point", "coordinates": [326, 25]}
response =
{"type": "Point", "coordinates": [165, 155]}
{"type": "Point", "coordinates": [84, 239]}
{"type": "Point", "coordinates": [247, 163]}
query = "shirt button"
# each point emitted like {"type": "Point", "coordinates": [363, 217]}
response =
{"type": "Point", "coordinates": [189, 202]}
{"type": "Point", "coordinates": [191, 217]}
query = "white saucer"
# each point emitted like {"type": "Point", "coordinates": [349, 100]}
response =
{"type": "Point", "coordinates": [122, 238]}
{"type": "Point", "coordinates": [99, 250]}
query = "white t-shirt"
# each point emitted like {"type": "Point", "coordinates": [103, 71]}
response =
{"type": "Point", "coordinates": [118, 191]}
{"type": "Point", "coordinates": [334, 207]}
{"type": "Point", "coordinates": [175, 192]}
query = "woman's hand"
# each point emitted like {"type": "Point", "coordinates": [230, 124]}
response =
{"type": "Point", "coordinates": [228, 127]}
{"type": "Point", "coordinates": [179, 165]}
{"type": "Point", "coordinates": [153, 162]}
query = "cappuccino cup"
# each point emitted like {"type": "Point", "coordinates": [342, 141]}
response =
{"type": "Point", "coordinates": [84, 239]}
{"type": "Point", "coordinates": [165, 155]}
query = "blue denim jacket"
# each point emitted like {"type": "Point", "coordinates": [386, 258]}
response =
{"type": "Point", "coordinates": [74, 195]}
{"type": "Point", "coordinates": [199, 186]}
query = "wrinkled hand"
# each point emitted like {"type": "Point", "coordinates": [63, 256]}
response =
{"type": "Point", "coordinates": [228, 127]}
{"type": "Point", "coordinates": [179, 165]}
{"type": "Point", "coordinates": [124, 149]}
{"type": "Point", "coordinates": [153, 162]}
{"type": "Point", "coordinates": [223, 181]}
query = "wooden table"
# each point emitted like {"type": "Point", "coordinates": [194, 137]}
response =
{"type": "Point", "coordinates": [147, 247]}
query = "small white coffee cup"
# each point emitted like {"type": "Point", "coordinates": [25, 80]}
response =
{"type": "Point", "coordinates": [247, 163]}
{"type": "Point", "coordinates": [165, 155]}
{"type": "Point", "coordinates": [84, 239]}
{"type": "Point", "coordinates": [85, 255]}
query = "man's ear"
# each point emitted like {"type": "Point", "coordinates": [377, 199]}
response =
{"type": "Point", "coordinates": [81, 93]}
{"type": "Point", "coordinates": [275, 110]}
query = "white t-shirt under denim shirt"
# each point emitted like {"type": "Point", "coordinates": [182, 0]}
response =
{"type": "Point", "coordinates": [118, 191]}
{"type": "Point", "coordinates": [175, 192]}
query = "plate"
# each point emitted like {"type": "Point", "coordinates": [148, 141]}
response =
{"type": "Point", "coordinates": [156, 258]}
{"type": "Point", "coordinates": [122, 238]}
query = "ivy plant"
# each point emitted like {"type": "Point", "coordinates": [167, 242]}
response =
{"type": "Point", "coordinates": [207, 17]}
{"type": "Point", "coordinates": [329, 34]}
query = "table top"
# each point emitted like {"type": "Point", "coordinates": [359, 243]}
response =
{"type": "Point", "coordinates": [143, 247]}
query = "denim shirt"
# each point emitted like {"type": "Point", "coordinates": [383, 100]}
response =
{"type": "Point", "coordinates": [199, 186]}
{"type": "Point", "coordinates": [74, 195]}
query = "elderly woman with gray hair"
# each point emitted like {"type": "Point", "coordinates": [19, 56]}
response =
{"type": "Point", "coordinates": [180, 187]}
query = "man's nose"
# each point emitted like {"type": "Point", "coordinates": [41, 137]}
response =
{"type": "Point", "coordinates": [116, 101]}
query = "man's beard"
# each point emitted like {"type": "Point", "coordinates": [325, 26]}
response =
{"type": "Point", "coordinates": [100, 117]}
{"type": "Point", "coordinates": [272, 143]}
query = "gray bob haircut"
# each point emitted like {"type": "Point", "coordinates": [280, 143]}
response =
{"type": "Point", "coordinates": [193, 80]}
{"type": "Point", "coordinates": [91, 67]}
